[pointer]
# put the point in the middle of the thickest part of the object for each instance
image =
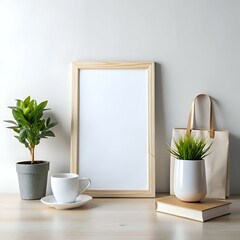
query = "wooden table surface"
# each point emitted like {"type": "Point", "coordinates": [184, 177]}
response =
{"type": "Point", "coordinates": [109, 218]}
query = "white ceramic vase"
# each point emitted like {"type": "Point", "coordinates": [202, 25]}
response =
{"type": "Point", "coordinates": [190, 180]}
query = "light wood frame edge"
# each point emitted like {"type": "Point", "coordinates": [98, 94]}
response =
{"type": "Point", "coordinates": [150, 67]}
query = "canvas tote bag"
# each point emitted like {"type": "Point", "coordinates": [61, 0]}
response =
{"type": "Point", "coordinates": [216, 163]}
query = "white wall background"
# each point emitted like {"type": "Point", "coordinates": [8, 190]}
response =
{"type": "Point", "coordinates": [195, 44]}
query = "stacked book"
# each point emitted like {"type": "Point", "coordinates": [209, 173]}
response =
{"type": "Point", "coordinates": [201, 211]}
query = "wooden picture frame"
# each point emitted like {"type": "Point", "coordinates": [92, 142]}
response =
{"type": "Point", "coordinates": [113, 127]}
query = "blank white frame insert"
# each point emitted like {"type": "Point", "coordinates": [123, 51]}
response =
{"type": "Point", "coordinates": [113, 140]}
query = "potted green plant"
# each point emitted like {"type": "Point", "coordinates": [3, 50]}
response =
{"type": "Point", "coordinates": [189, 171]}
{"type": "Point", "coordinates": [30, 127]}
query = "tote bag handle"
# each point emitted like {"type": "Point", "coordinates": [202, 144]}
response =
{"type": "Point", "coordinates": [192, 113]}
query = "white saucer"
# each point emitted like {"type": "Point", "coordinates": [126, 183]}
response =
{"type": "Point", "coordinates": [51, 202]}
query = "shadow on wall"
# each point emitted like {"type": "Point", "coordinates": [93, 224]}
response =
{"type": "Point", "coordinates": [63, 138]}
{"type": "Point", "coordinates": [234, 153]}
{"type": "Point", "coordinates": [57, 151]}
{"type": "Point", "coordinates": [162, 157]}
{"type": "Point", "coordinates": [234, 150]}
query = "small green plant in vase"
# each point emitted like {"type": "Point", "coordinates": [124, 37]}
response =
{"type": "Point", "coordinates": [189, 169]}
{"type": "Point", "coordinates": [30, 127]}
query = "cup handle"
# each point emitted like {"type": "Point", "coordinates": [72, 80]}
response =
{"type": "Point", "coordinates": [84, 185]}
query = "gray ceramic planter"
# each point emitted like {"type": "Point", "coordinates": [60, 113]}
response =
{"type": "Point", "coordinates": [32, 179]}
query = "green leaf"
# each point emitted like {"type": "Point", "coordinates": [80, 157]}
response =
{"type": "Point", "coordinates": [42, 125]}
{"type": "Point", "coordinates": [27, 101]}
{"type": "Point", "coordinates": [26, 111]}
{"type": "Point", "coordinates": [19, 117]}
{"type": "Point", "coordinates": [20, 104]}
{"type": "Point", "coordinates": [42, 105]}
{"type": "Point", "coordinates": [22, 134]}
{"type": "Point", "coordinates": [31, 106]}
{"type": "Point", "coordinates": [16, 114]}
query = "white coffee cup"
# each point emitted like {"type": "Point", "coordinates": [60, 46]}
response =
{"type": "Point", "coordinates": [67, 186]}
